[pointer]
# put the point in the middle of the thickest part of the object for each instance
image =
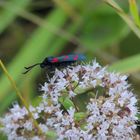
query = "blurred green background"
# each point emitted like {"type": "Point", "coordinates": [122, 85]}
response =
{"type": "Point", "coordinates": [33, 29]}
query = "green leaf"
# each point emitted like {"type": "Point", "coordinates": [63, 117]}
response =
{"type": "Point", "coordinates": [127, 65]}
{"type": "Point", "coordinates": [79, 90]}
{"type": "Point", "coordinates": [51, 134]}
{"type": "Point", "coordinates": [66, 102]}
{"type": "Point", "coordinates": [2, 136]}
{"type": "Point", "coordinates": [78, 116]}
{"type": "Point", "coordinates": [138, 115]}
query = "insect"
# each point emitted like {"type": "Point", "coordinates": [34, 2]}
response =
{"type": "Point", "coordinates": [63, 60]}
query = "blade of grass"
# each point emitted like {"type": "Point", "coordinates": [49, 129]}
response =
{"type": "Point", "coordinates": [58, 45]}
{"type": "Point", "coordinates": [71, 37]}
{"type": "Point", "coordinates": [124, 16]}
{"type": "Point", "coordinates": [35, 45]}
{"type": "Point", "coordinates": [127, 65]}
{"type": "Point", "coordinates": [134, 11]}
{"type": "Point", "coordinates": [49, 26]}
{"type": "Point", "coordinates": [68, 9]}
{"type": "Point", "coordinates": [52, 28]}
{"type": "Point", "coordinates": [25, 104]}
{"type": "Point", "coordinates": [7, 17]}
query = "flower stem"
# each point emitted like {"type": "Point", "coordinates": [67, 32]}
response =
{"type": "Point", "coordinates": [20, 96]}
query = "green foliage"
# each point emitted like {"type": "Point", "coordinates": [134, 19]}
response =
{"type": "Point", "coordinates": [66, 102]}
{"type": "Point", "coordinates": [7, 15]}
{"type": "Point", "coordinates": [124, 16]}
{"type": "Point", "coordinates": [134, 11]}
{"type": "Point", "coordinates": [79, 116]}
{"type": "Point", "coordinates": [128, 65]}
{"type": "Point", "coordinates": [83, 26]}
{"type": "Point", "coordinates": [51, 134]}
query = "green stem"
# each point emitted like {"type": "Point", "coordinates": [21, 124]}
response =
{"type": "Point", "coordinates": [124, 16]}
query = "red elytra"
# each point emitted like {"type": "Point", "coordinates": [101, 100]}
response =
{"type": "Point", "coordinates": [75, 57]}
{"type": "Point", "coordinates": [55, 60]}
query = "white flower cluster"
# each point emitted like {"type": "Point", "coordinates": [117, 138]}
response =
{"type": "Point", "coordinates": [110, 111]}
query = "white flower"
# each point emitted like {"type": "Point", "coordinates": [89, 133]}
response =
{"type": "Point", "coordinates": [43, 127]}
{"type": "Point", "coordinates": [45, 88]}
{"type": "Point", "coordinates": [28, 125]}
{"type": "Point", "coordinates": [108, 106]}
{"type": "Point", "coordinates": [110, 114]}
{"type": "Point", "coordinates": [71, 93]}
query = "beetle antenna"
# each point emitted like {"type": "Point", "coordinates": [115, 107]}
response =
{"type": "Point", "coordinates": [30, 67]}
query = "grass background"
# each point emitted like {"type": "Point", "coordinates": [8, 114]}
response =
{"type": "Point", "coordinates": [31, 30]}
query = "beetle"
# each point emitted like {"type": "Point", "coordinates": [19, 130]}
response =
{"type": "Point", "coordinates": [63, 60]}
